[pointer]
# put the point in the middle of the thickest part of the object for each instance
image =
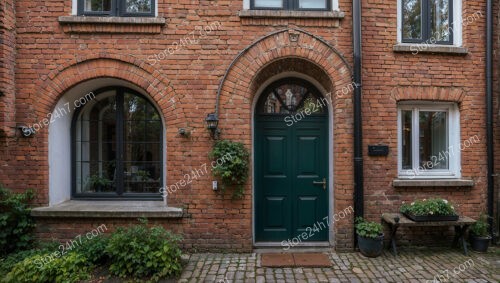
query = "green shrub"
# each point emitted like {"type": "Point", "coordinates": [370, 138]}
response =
{"type": "Point", "coordinates": [95, 250]}
{"type": "Point", "coordinates": [16, 224]}
{"type": "Point", "coordinates": [230, 165]}
{"type": "Point", "coordinates": [139, 252]}
{"type": "Point", "coordinates": [368, 229]}
{"type": "Point", "coordinates": [480, 227]}
{"type": "Point", "coordinates": [7, 263]}
{"type": "Point", "coordinates": [46, 268]}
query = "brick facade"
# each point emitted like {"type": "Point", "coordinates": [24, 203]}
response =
{"type": "Point", "coordinates": [45, 56]}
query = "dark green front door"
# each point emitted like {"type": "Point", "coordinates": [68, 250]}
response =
{"type": "Point", "coordinates": [291, 163]}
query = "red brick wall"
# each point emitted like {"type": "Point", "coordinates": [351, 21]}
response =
{"type": "Point", "coordinates": [51, 59]}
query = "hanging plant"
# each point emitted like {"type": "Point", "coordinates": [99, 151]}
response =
{"type": "Point", "coordinates": [230, 165]}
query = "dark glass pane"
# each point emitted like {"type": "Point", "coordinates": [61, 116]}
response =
{"type": "Point", "coordinates": [312, 4]}
{"type": "Point", "coordinates": [138, 6]}
{"type": "Point", "coordinates": [312, 105]}
{"type": "Point", "coordinates": [440, 20]}
{"type": "Point", "coordinates": [97, 5]}
{"type": "Point", "coordinates": [269, 3]}
{"type": "Point", "coordinates": [406, 133]}
{"type": "Point", "coordinates": [412, 19]}
{"type": "Point", "coordinates": [433, 140]}
{"type": "Point", "coordinates": [142, 146]}
{"type": "Point", "coordinates": [95, 148]}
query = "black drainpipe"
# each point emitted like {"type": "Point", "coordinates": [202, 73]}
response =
{"type": "Point", "coordinates": [358, 138]}
{"type": "Point", "coordinates": [489, 108]}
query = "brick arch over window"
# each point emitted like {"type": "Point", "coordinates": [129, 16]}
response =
{"type": "Point", "coordinates": [278, 52]}
{"type": "Point", "coordinates": [430, 93]}
{"type": "Point", "coordinates": [52, 86]}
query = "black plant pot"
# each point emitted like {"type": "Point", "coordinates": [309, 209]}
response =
{"type": "Point", "coordinates": [371, 247]}
{"type": "Point", "coordinates": [479, 244]}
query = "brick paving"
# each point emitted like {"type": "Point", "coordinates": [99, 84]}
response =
{"type": "Point", "coordinates": [412, 265]}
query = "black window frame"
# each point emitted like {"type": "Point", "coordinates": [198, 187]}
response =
{"type": "Point", "coordinates": [119, 194]}
{"type": "Point", "coordinates": [117, 10]}
{"type": "Point", "coordinates": [291, 5]}
{"type": "Point", "coordinates": [426, 24]}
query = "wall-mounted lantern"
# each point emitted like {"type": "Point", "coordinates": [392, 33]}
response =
{"type": "Point", "coordinates": [212, 123]}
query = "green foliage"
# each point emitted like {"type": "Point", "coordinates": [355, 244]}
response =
{"type": "Point", "coordinates": [16, 224]}
{"type": "Point", "coordinates": [94, 250]}
{"type": "Point", "coordinates": [368, 229]}
{"type": "Point", "coordinates": [480, 227]}
{"type": "Point", "coordinates": [7, 263]}
{"type": "Point", "coordinates": [429, 207]}
{"type": "Point", "coordinates": [139, 251]}
{"type": "Point", "coordinates": [230, 165]}
{"type": "Point", "coordinates": [47, 268]}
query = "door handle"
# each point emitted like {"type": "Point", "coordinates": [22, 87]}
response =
{"type": "Point", "coordinates": [316, 183]}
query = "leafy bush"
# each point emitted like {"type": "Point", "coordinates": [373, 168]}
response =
{"type": "Point", "coordinates": [16, 224]}
{"type": "Point", "coordinates": [230, 165]}
{"type": "Point", "coordinates": [95, 250]}
{"type": "Point", "coordinates": [7, 263]}
{"type": "Point", "coordinates": [368, 229]}
{"type": "Point", "coordinates": [46, 268]}
{"type": "Point", "coordinates": [139, 251]}
{"type": "Point", "coordinates": [428, 207]}
{"type": "Point", "coordinates": [480, 227]}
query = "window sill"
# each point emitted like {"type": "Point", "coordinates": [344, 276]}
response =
{"type": "Point", "coordinates": [432, 183]}
{"type": "Point", "coordinates": [108, 209]}
{"type": "Point", "coordinates": [286, 18]}
{"type": "Point", "coordinates": [429, 48]}
{"type": "Point", "coordinates": [87, 24]}
{"type": "Point", "coordinates": [291, 14]}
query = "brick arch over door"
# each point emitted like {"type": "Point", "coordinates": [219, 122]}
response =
{"type": "Point", "coordinates": [238, 91]}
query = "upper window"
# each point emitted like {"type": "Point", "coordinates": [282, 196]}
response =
{"type": "Point", "coordinates": [136, 8]}
{"type": "Point", "coordinates": [291, 4]}
{"type": "Point", "coordinates": [117, 146]}
{"type": "Point", "coordinates": [427, 21]}
{"type": "Point", "coordinates": [429, 141]}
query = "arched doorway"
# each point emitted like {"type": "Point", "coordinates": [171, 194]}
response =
{"type": "Point", "coordinates": [291, 163]}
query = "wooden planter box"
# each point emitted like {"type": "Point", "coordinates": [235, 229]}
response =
{"type": "Point", "coordinates": [427, 218]}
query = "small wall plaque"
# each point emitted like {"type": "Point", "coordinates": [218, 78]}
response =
{"type": "Point", "coordinates": [378, 150]}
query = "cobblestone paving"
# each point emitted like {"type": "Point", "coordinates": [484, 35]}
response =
{"type": "Point", "coordinates": [415, 265]}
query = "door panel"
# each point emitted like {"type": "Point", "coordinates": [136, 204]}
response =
{"type": "Point", "coordinates": [287, 161]}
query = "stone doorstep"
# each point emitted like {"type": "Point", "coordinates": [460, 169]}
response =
{"type": "Point", "coordinates": [295, 260]}
{"type": "Point", "coordinates": [111, 209]}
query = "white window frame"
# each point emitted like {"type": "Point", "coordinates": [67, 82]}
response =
{"type": "Point", "coordinates": [453, 153]}
{"type": "Point", "coordinates": [74, 7]}
{"type": "Point", "coordinates": [334, 5]}
{"type": "Point", "coordinates": [457, 25]}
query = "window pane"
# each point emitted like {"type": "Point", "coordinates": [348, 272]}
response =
{"type": "Point", "coordinates": [406, 139]}
{"type": "Point", "coordinates": [312, 4]}
{"type": "Point", "coordinates": [433, 138]}
{"type": "Point", "coordinates": [269, 3]}
{"type": "Point", "coordinates": [412, 19]}
{"type": "Point", "coordinates": [440, 19]}
{"type": "Point", "coordinates": [142, 146]}
{"type": "Point", "coordinates": [97, 5]}
{"type": "Point", "coordinates": [138, 6]}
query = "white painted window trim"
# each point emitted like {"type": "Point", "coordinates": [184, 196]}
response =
{"type": "Point", "coordinates": [246, 5]}
{"type": "Point", "coordinates": [454, 157]}
{"type": "Point", "coordinates": [74, 7]}
{"type": "Point", "coordinates": [457, 24]}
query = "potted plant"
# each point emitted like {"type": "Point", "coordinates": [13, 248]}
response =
{"type": "Point", "coordinates": [429, 210]}
{"type": "Point", "coordinates": [479, 236]}
{"type": "Point", "coordinates": [98, 183]}
{"type": "Point", "coordinates": [370, 237]}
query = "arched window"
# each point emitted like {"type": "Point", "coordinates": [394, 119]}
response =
{"type": "Point", "coordinates": [290, 96]}
{"type": "Point", "coordinates": [117, 140]}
